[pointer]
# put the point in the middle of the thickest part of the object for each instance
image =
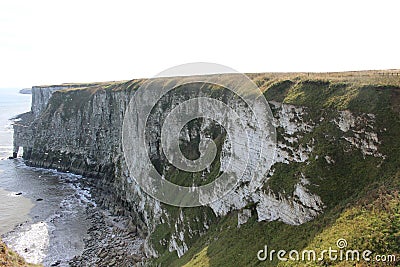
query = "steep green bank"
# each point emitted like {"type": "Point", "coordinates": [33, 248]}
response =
{"type": "Point", "coordinates": [9, 258]}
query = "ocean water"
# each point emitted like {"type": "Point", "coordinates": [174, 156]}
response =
{"type": "Point", "coordinates": [11, 104]}
{"type": "Point", "coordinates": [42, 212]}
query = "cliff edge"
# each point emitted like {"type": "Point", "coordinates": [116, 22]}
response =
{"type": "Point", "coordinates": [338, 142]}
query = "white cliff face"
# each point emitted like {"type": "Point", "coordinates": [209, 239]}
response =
{"type": "Point", "coordinates": [41, 96]}
{"type": "Point", "coordinates": [302, 205]}
{"type": "Point", "coordinates": [299, 208]}
{"type": "Point", "coordinates": [360, 132]}
{"type": "Point", "coordinates": [178, 236]}
{"type": "Point", "coordinates": [88, 137]}
{"type": "Point", "coordinates": [243, 216]}
{"type": "Point", "coordinates": [346, 121]}
{"type": "Point", "coordinates": [290, 118]}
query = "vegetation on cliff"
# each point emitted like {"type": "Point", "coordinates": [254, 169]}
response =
{"type": "Point", "coordinates": [9, 258]}
{"type": "Point", "coordinates": [359, 190]}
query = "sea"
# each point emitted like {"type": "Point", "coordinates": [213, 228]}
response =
{"type": "Point", "coordinates": [42, 212]}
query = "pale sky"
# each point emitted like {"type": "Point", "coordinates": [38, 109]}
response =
{"type": "Point", "coordinates": [50, 42]}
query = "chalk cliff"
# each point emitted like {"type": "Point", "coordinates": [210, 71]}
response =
{"type": "Point", "coordinates": [79, 129]}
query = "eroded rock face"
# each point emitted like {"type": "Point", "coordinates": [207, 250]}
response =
{"type": "Point", "coordinates": [296, 209]}
{"type": "Point", "coordinates": [80, 131]}
{"type": "Point", "coordinates": [364, 135]}
{"type": "Point", "coordinates": [41, 96]}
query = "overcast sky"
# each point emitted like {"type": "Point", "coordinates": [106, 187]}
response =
{"type": "Point", "coordinates": [47, 42]}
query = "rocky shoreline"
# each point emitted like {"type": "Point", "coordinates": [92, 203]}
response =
{"type": "Point", "coordinates": [111, 241]}
{"type": "Point", "coordinates": [113, 238]}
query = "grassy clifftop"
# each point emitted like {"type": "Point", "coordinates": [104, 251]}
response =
{"type": "Point", "coordinates": [355, 90]}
